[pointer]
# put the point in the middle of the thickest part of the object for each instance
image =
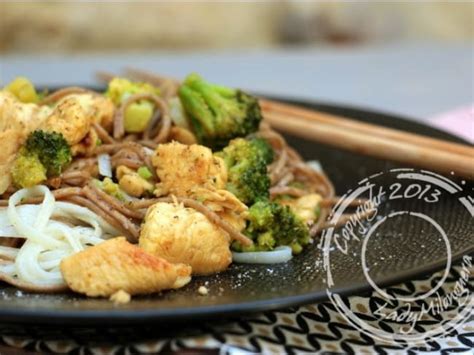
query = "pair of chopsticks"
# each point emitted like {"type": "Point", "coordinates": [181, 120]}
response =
{"type": "Point", "coordinates": [380, 142]}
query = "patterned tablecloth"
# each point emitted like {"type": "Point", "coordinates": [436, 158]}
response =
{"type": "Point", "coordinates": [313, 328]}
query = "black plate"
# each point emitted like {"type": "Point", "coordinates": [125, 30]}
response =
{"type": "Point", "coordinates": [245, 289]}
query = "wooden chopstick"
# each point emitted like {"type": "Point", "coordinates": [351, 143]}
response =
{"type": "Point", "coordinates": [104, 77]}
{"type": "Point", "coordinates": [352, 125]}
{"type": "Point", "coordinates": [142, 75]}
{"type": "Point", "coordinates": [382, 147]}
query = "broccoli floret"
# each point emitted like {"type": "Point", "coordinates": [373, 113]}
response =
{"type": "Point", "coordinates": [52, 150]}
{"type": "Point", "coordinates": [270, 225]}
{"type": "Point", "coordinates": [218, 114]}
{"type": "Point", "coordinates": [43, 155]}
{"type": "Point", "coordinates": [28, 171]}
{"type": "Point", "coordinates": [246, 162]}
{"type": "Point", "coordinates": [138, 114]}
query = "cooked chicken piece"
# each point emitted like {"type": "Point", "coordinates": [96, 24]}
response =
{"type": "Point", "coordinates": [17, 120]}
{"type": "Point", "coordinates": [218, 200]}
{"type": "Point", "coordinates": [193, 171]}
{"type": "Point", "coordinates": [183, 235]}
{"type": "Point", "coordinates": [306, 207]}
{"type": "Point", "coordinates": [115, 265]}
{"type": "Point", "coordinates": [182, 167]}
{"type": "Point", "coordinates": [132, 183]}
{"type": "Point", "coordinates": [11, 141]}
{"type": "Point", "coordinates": [87, 145]}
{"type": "Point", "coordinates": [182, 135]}
{"type": "Point", "coordinates": [23, 118]}
{"type": "Point", "coordinates": [104, 110]}
{"type": "Point", "coordinates": [236, 220]}
{"type": "Point", "coordinates": [73, 115]}
{"type": "Point", "coordinates": [224, 203]}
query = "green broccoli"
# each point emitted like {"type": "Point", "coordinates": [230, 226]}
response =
{"type": "Point", "coordinates": [52, 150]}
{"type": "Point", "coordinates": [28, 171]}
{"type": "Point", "coordinates": [43, 155]}
{"type": "Point", "coordinates": [138, 114]}
{"type": "Point", "coordinates": [271, 225]}
{"type": "Point", "coordinates": [218, 114]}
{"type": "Point", "coordinates": [246, 162]}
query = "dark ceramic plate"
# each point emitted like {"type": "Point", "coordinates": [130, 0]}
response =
{"type": "Point", "coordinates": [403, 251]}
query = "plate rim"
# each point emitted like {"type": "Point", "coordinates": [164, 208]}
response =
{"type": "Point", "coordinates": [177, 315]}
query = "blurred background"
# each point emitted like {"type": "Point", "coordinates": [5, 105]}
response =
{"type": "Point", "coordinates": [69, 26]}
{"type": "Point", "coordinates": [411, 58]}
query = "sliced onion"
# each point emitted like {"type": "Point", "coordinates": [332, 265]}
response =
{"type": "Point", "coordinates": [149, 151]}
{"type": "Point", "coordinates": [278, 255]}
{"type": "Point", "coordinates": [26, 213]}
{"type": "Point", "coordinates": [177, 113]}
{"type": "Point", "coordinates": [315, 165]}
{"type": "Point", "coordinates": [105, 166]}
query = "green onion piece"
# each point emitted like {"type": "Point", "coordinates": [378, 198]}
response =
{"type": "Point", "coordinates": [144, 172]}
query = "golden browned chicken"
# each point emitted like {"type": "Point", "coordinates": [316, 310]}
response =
{"type": "Point", "coordinates": [193, 171]}
{"type": "Point", "coordinates": [183, 235]}
{"type": "Point", "coordinates": [17, 115]}
{"type": "Point", "coordinates": [74, 114]}
{"type": "Point", "coordinates": [104, 110]}
{"type": "Point", "coordinates": [224, 203]}
{"type": "Point", "coordinates": [87, 145]}
{"type": "Point", "coordinates": [17, 120]}
{"type": "Point", "coordinates": [305, 207]}
{"type": "Point", "coordinates": [183, 167]}
{"type": "Point", "coordinates": [115, 265]}
{"type": "Point", "coordinates": [11, 141]}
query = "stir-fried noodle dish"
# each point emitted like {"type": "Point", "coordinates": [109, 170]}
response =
{"type": "Point", "coordinates": [136, 189]}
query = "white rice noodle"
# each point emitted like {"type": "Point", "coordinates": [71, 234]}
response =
{"type": "Point", "coordinates": [53, 230]}
{"type": "Point", "coordinates": [280, 254]}
{"type": "Point", "coordinates": [8, 252]}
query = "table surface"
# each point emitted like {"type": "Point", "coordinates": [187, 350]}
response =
{"type": "Point", "coordinates": [414, 80]}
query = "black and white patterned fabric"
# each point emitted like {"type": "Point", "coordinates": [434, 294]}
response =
{"type": "Point", "coordinates": [316, 328]}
